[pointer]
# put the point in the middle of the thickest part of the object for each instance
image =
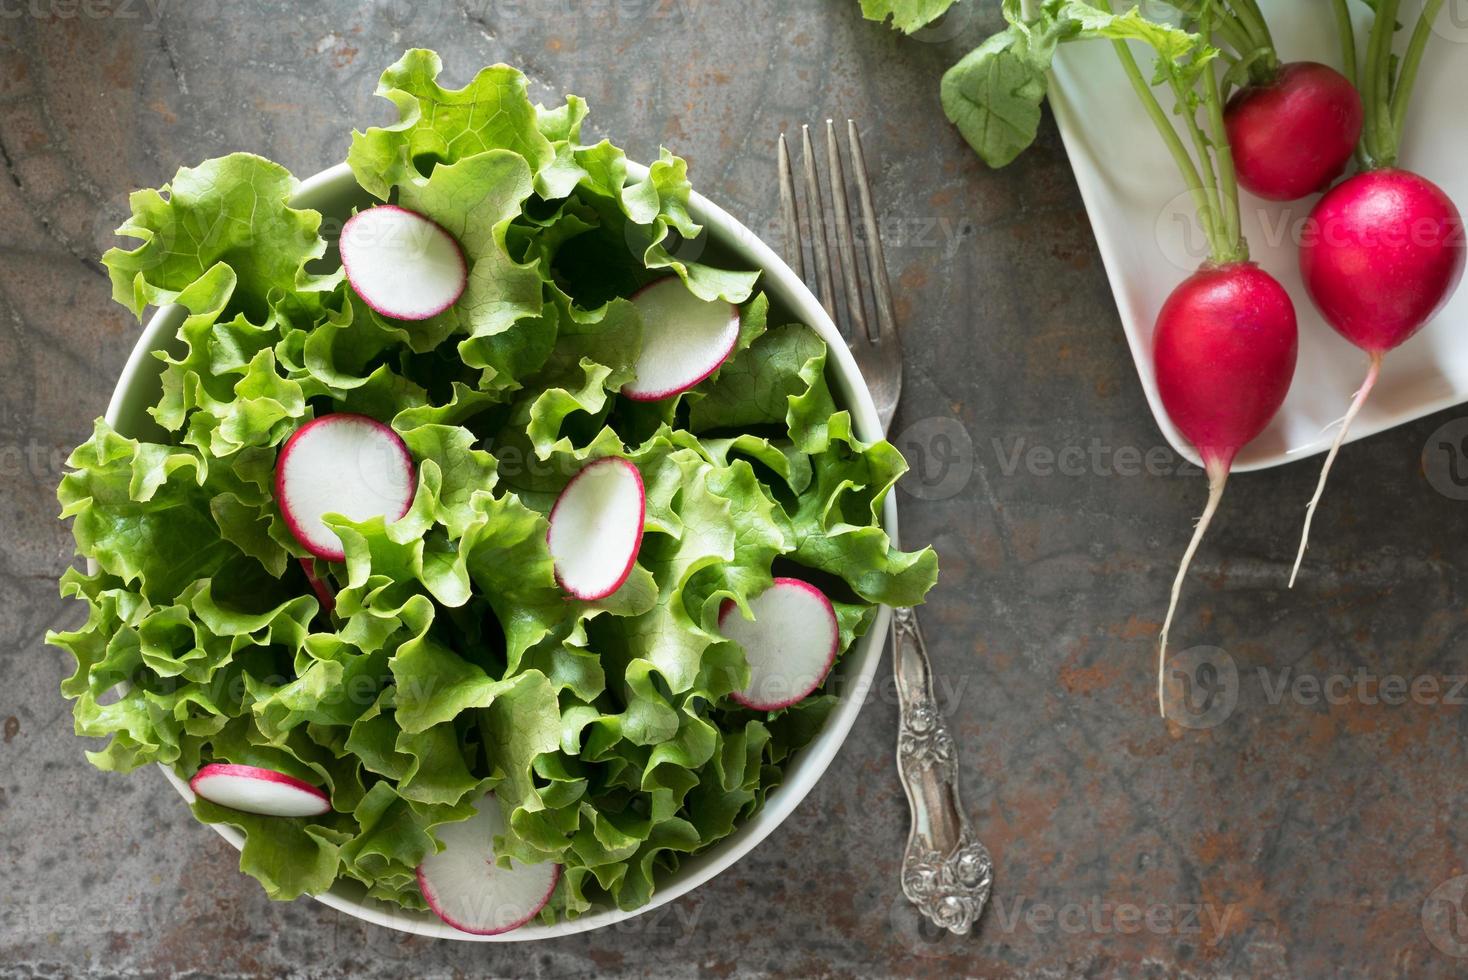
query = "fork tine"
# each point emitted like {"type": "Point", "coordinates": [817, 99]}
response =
{"type": "Point", "coordinates": [794, 252]}
{"type": "Point", "coordinates": [881, 285]}
{"type": "Point", "coordinates": [845, 237]}
{"type": "Point", "coordinates": [817, 215]}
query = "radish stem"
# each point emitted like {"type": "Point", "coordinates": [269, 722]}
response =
{"type": "Point", "coordinates": [1228, 192]}
{"type": "Point", "coordinates": [1348, 39]}
{"type": "Point", "coordinates": [1174, 143]}
{"type": "Point", "coordinates": [1217, 477]}
{"type": "Point", "coordinates": [1407, 77]}
{"type": "Point", "coordinates": [1215, 201]}
{"type": "Point", "coordinates": [1232, 31]}
{"type": "Point", "coordinates": [1215, 217]}
{"type": "Point", "coordinates": [1253, 21]}
{"type": "Point", "coordinates": [1371, 375]}
{"type": "Point", "coordinates": [1381, 150]}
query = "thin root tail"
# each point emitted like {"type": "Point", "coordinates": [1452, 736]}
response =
{"type": "Point", "coordinates": [1217, 477]}
{"type": "Point", "coordinates": [1372, 374]}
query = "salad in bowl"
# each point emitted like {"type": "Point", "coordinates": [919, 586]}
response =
{"type": "Point", "coordinates": [477, 554]}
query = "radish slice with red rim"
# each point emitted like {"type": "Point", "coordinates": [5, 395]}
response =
{"type": "Point", "coordinates": [341, 464]}
{"type": "Point", "coordinates": [465, 886]}
{"type": "Point", "coordinates": [790, 644]}
{"type": "Point", "coordinates": [596, 528]}
{"type": "Point", "coordinates": [684, 339]}
{"type": "Point", "coordinates": [251, 789]}
{"type": "Point", "coordinates": [402, 264]}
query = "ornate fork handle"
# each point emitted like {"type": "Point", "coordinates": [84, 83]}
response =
{"type": "Point", "coordinates": [946, 872]}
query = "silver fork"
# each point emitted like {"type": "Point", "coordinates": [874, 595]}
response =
{"type": "Point", "coordinates": [946, 872]}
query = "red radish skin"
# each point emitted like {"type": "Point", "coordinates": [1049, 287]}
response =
{"type": "Point", "coordinates": [667, 305]}
{"type": "Point", "coordinates": [1293, 136]}
{"type": "Point", "coordinates": [1381, 256]}
{"type": "Point", "coordinates": [592, 469]}
{"type": "Point", "coordinates": [300, 526]}
{"type": "Point", "coordinates": [729, 612]}
{"type": "Point", "coordinates": [361, 275]}
{"type": "Point", "coordinates": [222, 770]}
{"type": "Point", "coordinates": [1224, 354]}
{"type": "Point", "coordinates": [324, 593]}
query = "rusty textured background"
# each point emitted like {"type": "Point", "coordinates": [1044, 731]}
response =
{"type": "Point", "coordinates": [1298, 835]}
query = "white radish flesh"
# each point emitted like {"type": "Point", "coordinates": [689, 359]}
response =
{"type": "Point", "coordinates": [341, 464]}
{"type": "Point", "coordinates": [684, 339]}
{"type": "Point", "coordinates": [465, 887]}
{"type": "Point", "coordinates": [402, 264]}
{"type": "Point", "coordinates": [254, 790]}
{"type": "Point", "coordinates": [790, 645]}
{"type": "Point", "coordinates": [596, 528]}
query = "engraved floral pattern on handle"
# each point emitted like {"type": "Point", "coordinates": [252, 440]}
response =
{"type": "Point", "coordinates": [946, 871]}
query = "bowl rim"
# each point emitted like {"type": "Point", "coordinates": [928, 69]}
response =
{"type": "Point", "coordinates": [131, 397]}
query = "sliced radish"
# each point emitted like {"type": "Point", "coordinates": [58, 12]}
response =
{"type": "Point", "coordinates": [790, 644]}
{"type": "Point", "coordinates": [466, 888]}
{"type": "Point", "coordinates": [402, 264]}
{"type": "Point", "coordinates": [596, 528]}
{"type": "Point", "coordinates": [684, 339]}
{"type": "Point", "coordinates": [256, 790]}
{"type": "Point", "coordinates": [325, 594]}
{"type": "Point", "coordinates": [341, 464]}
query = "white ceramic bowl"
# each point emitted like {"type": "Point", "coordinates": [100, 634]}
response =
{"type": "Point", "coordinates": [1150, 241]}
{"type": "Point", "coordinates": [333, 192]}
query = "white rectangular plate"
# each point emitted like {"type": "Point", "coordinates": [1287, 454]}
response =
{"type": "Point", "coordinates": [1150, 241]}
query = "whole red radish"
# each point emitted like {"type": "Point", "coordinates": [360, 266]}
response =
{"type": "Point", "coordinates": [1224, 354]}
{"type": "Point", "coordinates": [1382, 255]}
{"type": "Point", "coordinates": [1384, 252]}
{"type": "Point", "coordinates": [1295, 134]}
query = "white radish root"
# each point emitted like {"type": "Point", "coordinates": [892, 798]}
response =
{"type": "Point", "coordinates": [1372, 374]}
{"type": "Point", "coordinates": [1217, 478]}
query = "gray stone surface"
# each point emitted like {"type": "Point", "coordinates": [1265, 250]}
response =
{"type": "Point", "coordinates": [1298, 836]}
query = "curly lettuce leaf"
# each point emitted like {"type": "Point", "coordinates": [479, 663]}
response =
{"type": "Point", "coordinates": [442, 126]}
{"type": "Point", "coordinates": [221, 236]}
